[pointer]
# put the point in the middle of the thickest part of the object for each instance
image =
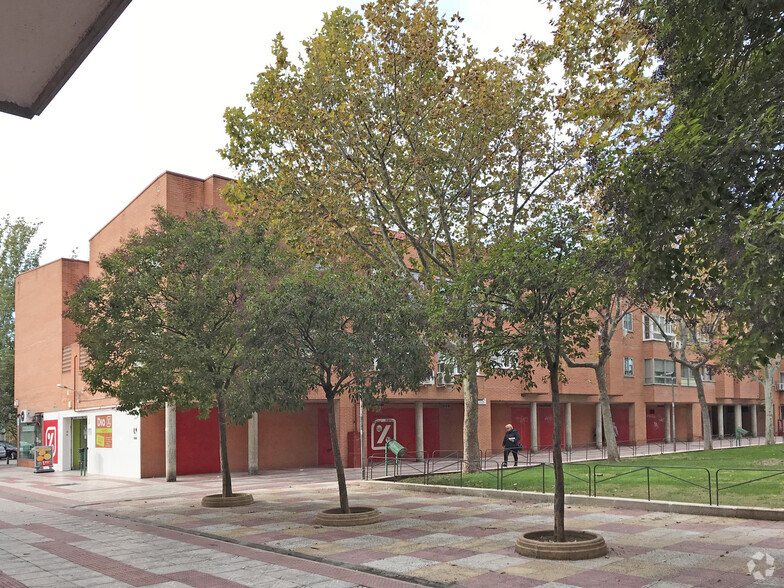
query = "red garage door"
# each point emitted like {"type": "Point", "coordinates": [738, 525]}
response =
{"type": "Point", "coordinates": [521, 420]}
{"type": "Point", "coordinates": [198, 445]}
{"type": "Point", "coordinates": [620, 416]}
{"type": "Point", "coordinates": [546, 425]}
{"type": "Point", "coordinates": [654, 422]}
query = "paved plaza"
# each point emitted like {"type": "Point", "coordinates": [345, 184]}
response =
{"type": "Point", "coordinates": [60, 529]}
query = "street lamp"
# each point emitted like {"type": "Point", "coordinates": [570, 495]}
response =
{"type": "Point", "coordinates": [77, 395]}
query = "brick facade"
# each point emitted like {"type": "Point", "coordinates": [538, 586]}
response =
{"type": "Point", "coordinates": [47, 356]}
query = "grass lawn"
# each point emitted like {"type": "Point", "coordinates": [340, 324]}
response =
{"type": "Point", "coordinates": [680, 477]}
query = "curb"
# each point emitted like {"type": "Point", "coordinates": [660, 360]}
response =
{"type": "Point", "coordinates": [740, 512]}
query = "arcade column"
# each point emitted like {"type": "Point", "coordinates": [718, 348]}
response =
{"type": "Point", "coordinates": [253, 445]}
{"type": "Point", "coordinates": [171, 441]}
{"type": "Point", "coordinates": [419, 429]}
{"type": "Point", "coordinates": [534, 427]}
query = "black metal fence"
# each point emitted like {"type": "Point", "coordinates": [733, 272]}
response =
{"type": "Point", "coordinates": [659, 482]}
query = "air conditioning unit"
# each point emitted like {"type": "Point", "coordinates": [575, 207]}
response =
{"type": "Point", "coordinates": [677, 344]}
{"type": "Point", "coordinates": [428, 381]}
{"type": "Point", "coordinates": [445, 379]}
{"type": "Point", "coordinates": [26, 416]}
{"type": "Point", "coordinates": [781, 385]}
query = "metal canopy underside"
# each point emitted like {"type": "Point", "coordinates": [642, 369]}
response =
{"type": "Point", "coordinates": [42, 43]}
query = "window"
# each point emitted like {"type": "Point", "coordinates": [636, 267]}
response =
{"type": "Point", "coordinates": [446, 371]}
{"type": "Point", "coordinates": [651, 332]}
{"type": "Point", "coordinates": [628, 367]}
{"type": "Point", "coordinates": [708, 373]}
{"type": "Point", "coordinates": [687, 377]}
{"type": "Point", "coordinates": [628, 323]}
{"type": "Point", "coordinates": [504, 360]}
{"type": "Point", "coordinates": [659, 371]}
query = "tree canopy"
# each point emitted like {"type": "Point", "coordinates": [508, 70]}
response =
{"type": "Point", "coordinates": [391, 137]}
{"type": "Point", "coordinates": [167, 321]}
{"type": "Point", "coordinates": [329, 328]}
{"type": "Point", "coordinates": [17, 254]}
{"type": "Point", "coordinates": [535, 296]}
{"type": "Point", "coordinates": [704, 201]}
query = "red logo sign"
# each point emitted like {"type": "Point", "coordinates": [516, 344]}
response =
{"type": "Point", "coordinates": [50, 437]}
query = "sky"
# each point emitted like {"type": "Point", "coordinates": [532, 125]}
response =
{"type": "Point", "coordinates": [150, 98]}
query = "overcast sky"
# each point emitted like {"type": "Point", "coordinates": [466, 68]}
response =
{"type": "Point", "coordinates": [150, 98]}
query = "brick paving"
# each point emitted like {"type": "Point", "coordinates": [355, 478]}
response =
{"type": "Point", "coordinates": [62, 530]}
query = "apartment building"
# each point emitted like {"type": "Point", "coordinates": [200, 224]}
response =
{"type": "Point", "coordinates": [55, 408]}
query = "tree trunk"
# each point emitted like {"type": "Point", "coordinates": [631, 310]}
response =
{"type": "Point", "coordinates": [707, 430]}
{"type": "Point", "coordinates": [472, 459]}
{"type": "Point", "coordinates": [613, 453]}
{"type": "Point", "coordinates": [224, 451]}
{"type": "Point", "coordinates": [333, 436]}
{"type": "Point", "coordinates": [558, 495]}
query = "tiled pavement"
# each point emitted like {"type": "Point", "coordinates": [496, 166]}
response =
{"type": "Point", "coordinates": [59, 528]}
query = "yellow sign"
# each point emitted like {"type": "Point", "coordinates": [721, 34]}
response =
{"type": "Point", "coordinates": [103, 431]}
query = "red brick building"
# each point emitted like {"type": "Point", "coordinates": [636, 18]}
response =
{"type": "Point", "coordinates": [55, 409]}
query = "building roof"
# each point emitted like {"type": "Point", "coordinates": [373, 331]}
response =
{"type": "Point", "coordinates": [42, 43]}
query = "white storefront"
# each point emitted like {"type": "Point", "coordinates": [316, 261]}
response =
{"type": "Point", "coordinates": [112, 439]}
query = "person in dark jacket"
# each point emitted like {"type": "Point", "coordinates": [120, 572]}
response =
{"type": "Point", "coordinates": [511, 444]}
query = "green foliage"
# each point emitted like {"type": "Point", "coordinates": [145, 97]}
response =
{"type": "Point", "coordinates": [538, 293]}
{"type": "Point", "coordinates": [167, 320]}
{"type": "Point", "coordinates": [17, 254]}
{"type": "Point", "coordinates": [331, 328]}
{"type": "Point", "coordinates": [392, 126]}
{"type": "Point", "coordinates": [695, 200]}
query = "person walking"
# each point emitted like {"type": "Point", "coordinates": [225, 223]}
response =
{"type": "Point", "coordinates": [511, 444]}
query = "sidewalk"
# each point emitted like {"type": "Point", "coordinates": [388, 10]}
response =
{"type": "Point", "coordinates": [162, 536]}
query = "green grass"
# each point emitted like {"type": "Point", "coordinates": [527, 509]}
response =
{"type": "Point", "coordinates": [678, 477]}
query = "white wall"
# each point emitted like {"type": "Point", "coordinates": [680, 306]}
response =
{"type": "Point", "coordinates": [122, 459]}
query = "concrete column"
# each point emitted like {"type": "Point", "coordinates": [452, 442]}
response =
{"type": "Point", "coordinates": [419, 430]}
{"type": "Point", "coordinates": [720, 418]}
{"type": "Point", "coordinates": [171, 442]}
{"type": "Point", "coordinates": [568, 425]}
{"type": "Point", "coordinates": [534, 428]}
{"type": "Point", "coordinates": [668, 423]}
{"type": "Point", "coordinates": [253, 445]}
{"type": "Point", "coordinates": [599, 430]}
{"type": "Point", "coordinates": [753, 410]}
{"type": "Point", "coordinates": [738, 416]}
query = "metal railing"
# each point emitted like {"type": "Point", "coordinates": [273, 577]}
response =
{"type": "Point", "coordinates": [770, 474]}
{"type": "Point", "coordinates": [632, 469]}
{"type": "Point", "coordinates": [433, 470]}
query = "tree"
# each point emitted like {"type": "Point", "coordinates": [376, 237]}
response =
{"type": "Point", "coordinates": [17, 254]}
{"type": "Point", "coordinates": [700, 341]}
{"type": "Point", "coordinates": [693, 199]}
{"type": "Point", "coordinates": [332, 329]}
{"type": "Point", "coordinates": [764, 374]}
{"type": "Point", "coordinates": [537, 298]}
{"type": "Point", "coordinates": [392, 138]}
{"type": "Point", "coordinates": [167, 321]}
{"type": "Point", "coordinates": [768, 381]}
{"type": "Point", "coordinates": [613, 305]}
